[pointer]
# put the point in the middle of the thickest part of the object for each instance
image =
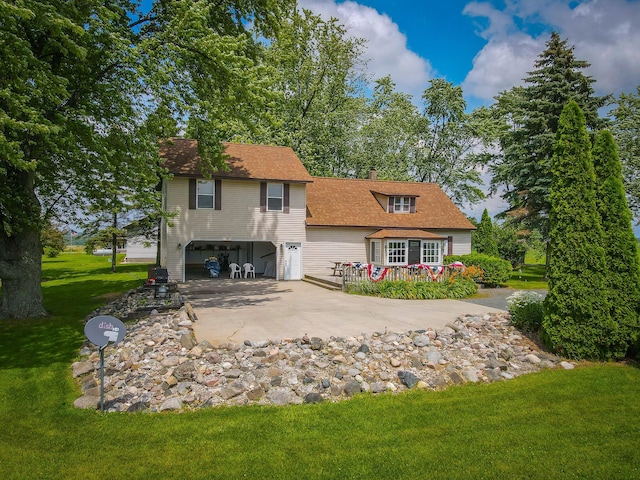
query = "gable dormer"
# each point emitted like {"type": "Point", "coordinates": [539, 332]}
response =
{"type": "Point", "coordinates": [401, 204]}
{"type": "Point", "coordinates": [396, 202]}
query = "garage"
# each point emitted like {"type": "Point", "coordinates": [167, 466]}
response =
{"type": "Point", "coordinates": [262, 255]}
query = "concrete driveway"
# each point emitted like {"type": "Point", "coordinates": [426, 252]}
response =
{"type": "Point", "coordinates": [264, 309]}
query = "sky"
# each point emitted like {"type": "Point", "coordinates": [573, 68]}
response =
{"type": "Point", "coordinates": [489, 46]}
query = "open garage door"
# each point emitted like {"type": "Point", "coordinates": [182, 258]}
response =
{"type": "Point", "coordinates": [261, 254]}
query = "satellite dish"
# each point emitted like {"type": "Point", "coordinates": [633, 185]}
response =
{"type": "Point", "coordinates": [103, 329]}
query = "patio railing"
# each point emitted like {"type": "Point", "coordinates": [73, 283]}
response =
{"type": "Point", "coordinates": [360, 272]}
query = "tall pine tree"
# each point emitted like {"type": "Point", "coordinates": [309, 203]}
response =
{"type": "Point", "coordinates": [620, 245]}
{"type": "Point", "coordinates": [577, 321]}
{"type": "Point", "coordinates": [484, 238]}
{"type": "Point", "coordinates": [532, 113]}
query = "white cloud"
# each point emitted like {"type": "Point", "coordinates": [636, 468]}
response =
{"type": "Point", "coordinates": [387, 52]}
{"type": "Point", "coordinates": [604, 34]}
{"type": "Point", "coordinates": [501, 65]}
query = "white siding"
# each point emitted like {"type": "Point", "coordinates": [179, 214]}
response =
{"type": "Point", "coordinates": [240, 219]}
{"type": "Point", "coordinates": [324, 246]}
{"type": "Point", "coordinates": [461, 240]}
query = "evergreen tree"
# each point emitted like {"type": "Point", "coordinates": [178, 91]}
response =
{"type": "Point", "coordinates": [626, 131]}
{"type": "Point", "coordinates": [510, 247]}
{"type": "Point", "coordinates": [485, 240]}
{"type": "Point", "coordinates": [532, 114]}
{"type": "Point", "coordinates": [577, 321]}
{"type": "Point", "coordinates": [620, 245]}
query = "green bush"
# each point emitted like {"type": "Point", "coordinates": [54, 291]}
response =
{"type": "Point", "coordinates": [526, 309]}
{"type": "Point", "coordinates": [52, 240]}
{"type": "Point", "coordinates": [51, 252]}
{"type": "Point", "coordinates": [496, 271]}
{"type": "Point", "coordinates": [455, 287]}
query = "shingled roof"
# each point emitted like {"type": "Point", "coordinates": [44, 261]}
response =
{"type": "Point", "coordinates": [248, 162]}
{"type": "Point", "coordinates": [342, 202]}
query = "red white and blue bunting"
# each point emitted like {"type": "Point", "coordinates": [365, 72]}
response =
{"type": "Point", "coordinates": [377, 273]}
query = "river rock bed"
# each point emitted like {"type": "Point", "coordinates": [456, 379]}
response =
{"type": "Point", "coordinates": [160, 365]}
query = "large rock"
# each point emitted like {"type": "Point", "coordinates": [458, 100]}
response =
{"type": "Point", "coordinates": [255, 394]}
{"type": "Point", "coordinates": [313, 397]}
{"type": "Point", "coordinates": [378, 387]}
{"type": "Point", "coordinates": [352, 387]}
{"type": "Point", "coordinates": [173, 403]}
{"type": "Point", "coordinates": [470, 375]}
{"type": "Point", "coordinates": [187, 341]}
{"type": "Point", "coordinates": [433, 356]}
{"type": "Point", "coordinates": [408, 378]}
{"type": "Point", "coordinates": [81, 368]}
{"type": "Point", "coordinates": [233, 390]}
{"type": "Point", "coordinates": [421, 341]}
{"type": "Point", "coordinates": [280, 396]}
{"type": "Point", "coordinates": [184, 371]}
{"type": "Point", "coordinates": [87, 402]}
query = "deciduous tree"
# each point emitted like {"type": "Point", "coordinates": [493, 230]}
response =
{"type": "Point", "coordinates": [314, 71]}
{"type": "Point", "coordinates": [449, 143]}
{"type": "Point", "coordinates": [386, 136]}
{"type": "Point", "coordinates": [75, 73]}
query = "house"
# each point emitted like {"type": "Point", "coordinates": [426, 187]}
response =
{"type": "Point", "coordinates": [267, 210]}
{"type": "Point", "coordinates": [141, 249]}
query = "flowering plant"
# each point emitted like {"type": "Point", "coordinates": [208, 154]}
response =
{"type": "Point", "coordinates": [526, 309]}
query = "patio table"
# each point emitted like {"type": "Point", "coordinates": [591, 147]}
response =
{"type": "Point", "coordinates": [338, 268]}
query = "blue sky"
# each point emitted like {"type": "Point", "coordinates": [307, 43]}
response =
{"type": "Point", "coordinates": [489, 46]}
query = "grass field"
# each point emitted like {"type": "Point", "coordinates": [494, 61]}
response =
{"type": "Point", "coordinates": [575, 424]}
{"type": "Point", "coordinates": [531, 276]}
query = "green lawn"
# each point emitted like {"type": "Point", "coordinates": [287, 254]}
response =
{"type": "Point", "coordinates": [582, 423]}
{"type": "Point", "coordinates": [531, 275]}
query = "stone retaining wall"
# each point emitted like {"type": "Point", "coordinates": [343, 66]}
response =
{"type": "Point", "coordinates": [161, 365]}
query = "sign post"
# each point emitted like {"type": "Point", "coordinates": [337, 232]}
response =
{"type": "Point", "coordinates": [100, 331]}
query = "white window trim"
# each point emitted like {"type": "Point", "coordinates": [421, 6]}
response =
{"type": "Point", "coordinates": [387, 251]}
{"type": "Point", "coordinates": [438, 246]}
{"type": "Point", "coordinates": [375, 254]}
{"type": "Point", "coordinates": [403, 205]}
{"type": "Point", "coordinates": [212, 194]}
{"type": "Point", "coordinates": [423, 258]}
{"type": "Point", "coordinates": [281, 197]}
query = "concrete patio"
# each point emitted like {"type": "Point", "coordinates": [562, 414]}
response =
{"type": "Point", "coordinates": [263, 308]}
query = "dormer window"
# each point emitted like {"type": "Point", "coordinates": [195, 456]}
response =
{"type": "Point", "coordinates": [402, 204]}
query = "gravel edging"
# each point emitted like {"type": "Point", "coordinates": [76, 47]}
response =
{"type": "Point", "coordinates": [161, 366]}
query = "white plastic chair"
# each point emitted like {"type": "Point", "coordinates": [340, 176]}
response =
{"type": "Point", "coordinates": [249, 270]}
{"type": "Point", "coordinates": [235, 271]}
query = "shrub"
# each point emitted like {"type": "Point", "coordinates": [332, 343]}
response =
{"type": "Point", "coordinates": [457, 286]}
{"type": "Point", "coordinates": [509, 246]}
{"type": "Point", "coordinates": [52, 240]}
{"type": "Point", "coordinates": [51, 252]}
{"type": "Point", "coordinates": [484, 240]}
{"type": "Point", "coordinates": [526, 309]}
{"type": "Point", "coordinates": [577, 311]}
{"type": "Point", "coordinates": [496, 271]}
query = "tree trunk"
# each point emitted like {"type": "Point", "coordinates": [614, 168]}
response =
{"type": "Point", "coordinates": [21, 273]}
{"type": "Point", "coordinates": [20, 249]}
{"type": "Point", "coordinates": [114, 242]}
